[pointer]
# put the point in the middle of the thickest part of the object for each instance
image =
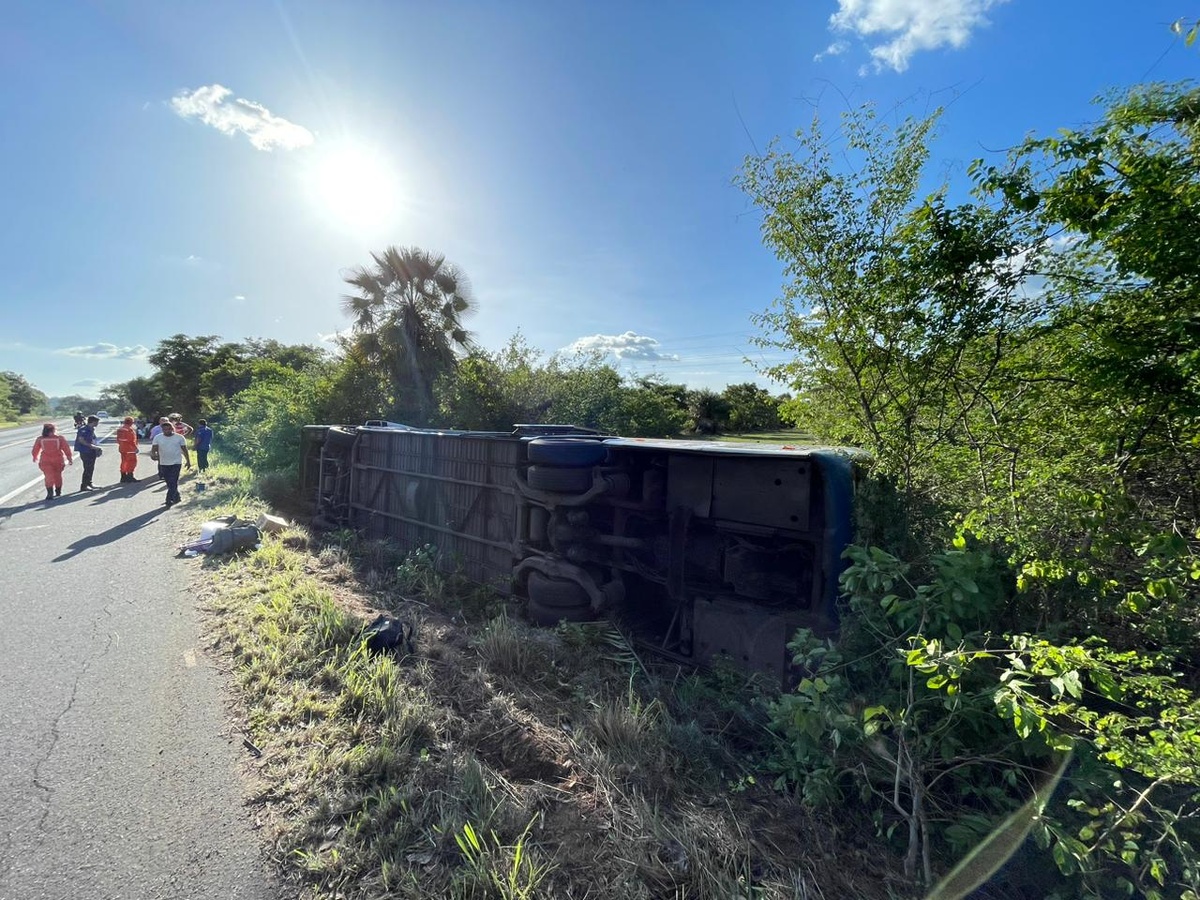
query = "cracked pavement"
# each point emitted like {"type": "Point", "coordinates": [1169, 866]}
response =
{"type": "Point", "coordinates": [120, 774]}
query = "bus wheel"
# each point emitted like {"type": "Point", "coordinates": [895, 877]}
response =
{"type": "Point", "coordinates": [559, 479]}
{"type": "Point", "coordinates": [556, 593]}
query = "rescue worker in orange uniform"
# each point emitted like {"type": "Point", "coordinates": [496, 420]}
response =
{"type": "Point", "coordinates": [52, 453]}
{"type": "Point", "coordinates": [127, 446]}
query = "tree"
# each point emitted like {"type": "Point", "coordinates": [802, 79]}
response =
{"type": "Point", "coordinates": [709, 411]}
{"type": "Point", "coordinates": [292, 356]}
{"type": "Point", "coordinates": [751, 408]}
{"type": "Point", "coordinates": [645, 411]}
{"type": "Point", "coordinates": [146, 395]}
{"type": "Point", "coordinates": [264, 421]}
{"type": "Point", "coordinates": [24, 396]}
{"type": "Point", "coordinates": [235, 366]}
{"type": "Point", "coordinates": [1123, 195]}
{"type": "Point", "coordinates": [181, 362]}
{"type": "Point", "coordinates": [494, 391]}
{"type": "Point", "coordinates": [7, 409]}
{"type": "Point", "coordinates": [357, 389]}
{"type": "Point", "coordinates": [73, 403]}
{"type": "Point", "coordinates": [1050, 428]}
{"type": "Point", "coordinates": [1126, 194]}
{"type": "Point", "coordinates": [900, 311]}
{"type": "Point", "coordinates": [408, 312]}
{"type": "Point", "coordinates": [115, 398]}
{"type": "Point", "coordinates": [583, 390]}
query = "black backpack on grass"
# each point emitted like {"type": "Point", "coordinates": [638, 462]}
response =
{"type": "Point", "coordinates": [388, 635]}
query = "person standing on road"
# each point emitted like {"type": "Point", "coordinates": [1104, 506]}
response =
{"type": "Point", "coordinates": [127, 445]}
{"type": "Point", "coordinates": [52, 453]}
{"type": "Point", "coordinates": [170, 449]}
{"type": "Point", "coordinates": [88, 449]}
{"type": "Point", "coordinates": [155, 432]}
{"type": "Point", "coordinates": [204, 438]}
{"type": "Point", "coordinates": [182, 428]}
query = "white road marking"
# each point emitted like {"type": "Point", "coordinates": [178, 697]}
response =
{"type": "Point", "coordinates": [22, 489]}
{"type": "Point", "coordinates": [26, 441]}
{"type": "Point", "coordinates": [25, 487]}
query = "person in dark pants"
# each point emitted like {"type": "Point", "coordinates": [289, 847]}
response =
{"type": "Point", "coordinates": [170, 449]}
{"type": "Point", "coordinates": [204, 438]}
{"type": "Point", "coordinates": [88, 450]}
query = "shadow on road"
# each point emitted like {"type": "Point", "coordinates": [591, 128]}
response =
{"type": "Point", "coordinates": [101, 494]}
{"type": "Point", "coordinates": [129, 526]}
{"type": "Point", "coordinates": [126, 491]}
{"type": "Point", "coordinates": [7, 512]}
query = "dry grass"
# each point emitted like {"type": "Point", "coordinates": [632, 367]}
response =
{"type": "Point", "coordinates": [499, 760]}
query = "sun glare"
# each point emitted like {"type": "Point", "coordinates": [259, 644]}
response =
{"type": "Point", "coordinates": [356, 186]}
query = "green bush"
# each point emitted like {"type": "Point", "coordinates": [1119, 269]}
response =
{"type": "Point", "coordinates": [264, 421]}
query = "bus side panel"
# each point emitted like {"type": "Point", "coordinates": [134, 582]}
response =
{"type": "Point", "coordinates": [453, 492]}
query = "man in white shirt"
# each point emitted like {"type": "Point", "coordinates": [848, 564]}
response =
{"type": "Point", "coordinates": [170, 449]}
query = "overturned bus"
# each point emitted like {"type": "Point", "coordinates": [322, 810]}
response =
{"type": "Point", "coordinates": [702, 549]}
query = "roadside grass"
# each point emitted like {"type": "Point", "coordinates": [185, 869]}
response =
{"type": "Point", "coordinates": [31, 419]}
{"type": "Point", "coordinates": [498, 760]}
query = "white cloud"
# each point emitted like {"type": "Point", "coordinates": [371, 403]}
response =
{"type": "Point", "coordinates": [265, 130]}
{"type": "Point", "coordinates": [627, 346]}
{"type": "Point", "coordinates": [835, 49]}
{"type": "Point", "coordinates": [107, 351]}
{"type": "Point", "coordinates": [907, 26]}
{"type": "Point", "coordinates": [90, 384]}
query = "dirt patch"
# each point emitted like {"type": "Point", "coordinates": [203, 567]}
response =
{"type": "Point", "coordinates": [517, 744]}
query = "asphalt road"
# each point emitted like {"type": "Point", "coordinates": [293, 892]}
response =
{"type": "Point", "coordinates": [16, 464]}
{"type": "Point", "coordinates": [120, 772]}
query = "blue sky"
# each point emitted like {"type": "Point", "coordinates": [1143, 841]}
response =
{"type": "Point", "coordinates": [215, 168]}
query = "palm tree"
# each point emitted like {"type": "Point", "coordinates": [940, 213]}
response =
{"type": "Point", "coordinates": [408, 315]}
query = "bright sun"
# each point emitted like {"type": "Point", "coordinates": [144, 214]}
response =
{"type": "Point", "coordinates": [356, 186]}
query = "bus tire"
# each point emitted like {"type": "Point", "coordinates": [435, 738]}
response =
{"type": "Point", "coordinates": [555, 593]}
{"type": "Point", "coordinates": [566, 451]}
{"type": "Point", "coordinates": [559, 479]}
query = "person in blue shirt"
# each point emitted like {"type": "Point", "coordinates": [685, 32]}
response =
{"type": "Point", "coordinates": [88, 449]}
{"type": "Point", "coordinates": [204, 438]}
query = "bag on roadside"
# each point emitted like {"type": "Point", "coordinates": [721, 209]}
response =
{"type": "Point", "coordinates": [388, 635]}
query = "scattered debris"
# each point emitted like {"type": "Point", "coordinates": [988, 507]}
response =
{"type": "Point", "coordinates": [272, 524]}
